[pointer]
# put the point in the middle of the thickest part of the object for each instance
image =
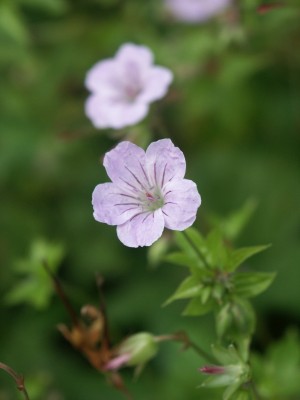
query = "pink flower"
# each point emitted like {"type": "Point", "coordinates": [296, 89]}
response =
{"type": "Point", "coordinates": [123, 87]}
{"type": "Point", "coordinates": [148, 192]}
{"type": "Point", "coordinates": [196, 10]}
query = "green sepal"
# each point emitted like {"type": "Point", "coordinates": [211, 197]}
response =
{"type": "Point", "coordinates": [250, 284]}
{"type": "Point", "coordinates": [237, 257]}
{"type": "Point", "coordinates": [241, 394]}
{"type": "Point", "coordinates": [223, 320]}
{"type": "Point", "coordinates": [231, 390]}
{"type": "Point", "coordinates": [226, 356]}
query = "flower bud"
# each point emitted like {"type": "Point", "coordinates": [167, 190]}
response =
{"type": "Point", "coordinates": [141, 348]}
{"type": "Point", "coordinates": [136, 350]}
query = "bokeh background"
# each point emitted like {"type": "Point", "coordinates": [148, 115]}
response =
{"type": "Point", "coordinates": [233, 108]}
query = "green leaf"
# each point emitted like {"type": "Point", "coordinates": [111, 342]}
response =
{"type": "Point", "coordinates": [277, 372]}
{"type": "Point", "coordinates": [182, 259]}
{"type": "Point", "coordinates": [196, 307]}
{"type": "Point", "coordinates": [51, 7]}
{"type": "Point", "coordinates": [35, 287]}
{"type": "Point", "coordinates": [218, 252]}
{"type": "Point", "coordinates": [250, 284]}
{"type": "Point", "coordinates": [193, 245]}
{"type": "Point", "coordinates": [232, 225]}
{"type": "Point", "coordinates": [11, 23]}
{"type": "Point", "coordinates": [190, 287]}
{"type": "Point", "coordinates": [237, 257]}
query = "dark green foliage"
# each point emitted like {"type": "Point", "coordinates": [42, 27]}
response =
{"type": "Point", "coordinates": [234, 111]}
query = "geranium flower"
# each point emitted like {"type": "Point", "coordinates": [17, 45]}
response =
{"type": "Point", "coordinates": [148, 192]}
{"type": "Point", "coordinates": [195, 10]}
{"type": "Point", "coordinates": [123, 87]}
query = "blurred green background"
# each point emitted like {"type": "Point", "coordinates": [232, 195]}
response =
{"type": "Point", "coordinates": [234, 109]}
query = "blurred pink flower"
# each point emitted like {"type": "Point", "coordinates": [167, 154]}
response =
{"type": "Point", "coordinates": [122, 87]}
{"type": "Point", "coordinates": [196, 10]}
{"type": "Point", "coordinates": [148, 192]}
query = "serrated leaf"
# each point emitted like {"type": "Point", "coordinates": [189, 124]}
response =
{"type": "Point", "coordinates": [196, 307]}
{"type": "Point", "coordinates": [237, 257]}
{"type": "Point", "coordinates": [250, 284]}
{"type": "Point", "coordinates": [189, 288]}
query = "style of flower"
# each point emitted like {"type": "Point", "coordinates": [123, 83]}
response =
{"type": "Point", "coordinates": [148, 192]}
{"type": "Point", "coordinates": [123, 87]}
{"type": "Point", "coordinates": [193, 11]}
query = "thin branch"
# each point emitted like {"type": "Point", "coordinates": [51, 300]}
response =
{"type": "Point", "coordinates": [102, 305]}
{"type": "Point", "coordinates": [19, 379]}
{"type": "Point", "coordinates": [59, 290]}
{"type": "Point", "coordinates": [187, 342]}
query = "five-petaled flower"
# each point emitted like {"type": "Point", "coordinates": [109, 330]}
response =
{"type": "Point", "coordinates": [123, 87]}
{"type": "Point", "coordinates": [148, 192]}
{"type": "Point", "coordinates": [195, 10]}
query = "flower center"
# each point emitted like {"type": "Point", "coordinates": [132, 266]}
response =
{"type": "Point", "coordinates": [152, 200]}
{"type": "Point", "coordinates": [131, 92]}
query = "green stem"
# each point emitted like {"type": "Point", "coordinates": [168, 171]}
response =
{"type": "Point", "coordinates": [183, 338]}
{"type": "Point", "coordinates": [203, 353]}
{"type": "Point", "coordinates": [196, 249]}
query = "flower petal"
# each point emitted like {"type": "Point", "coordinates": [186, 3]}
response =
{"type": "Point", "coordinates": [132, 53]}
{"type": "Point", "coordinates": [156, 84]}
{"type": "Point", "coordinates": [164, 162]}
{"type": "Point", "coordinates": [112, 206]}
{"type": "Point", "coordinates": [109, 113]}
{"type": "Point", "coordinates": [125, 165]}
{"type": "Point", "coordinates": [142, 230]}
{"type": "Point", "coordinates": [181, 203]}
{"type": "Point", "coordinates": [102, 78]}
{"type": "Point", "coordinates": [196, 10]}
{"type": "Point", "coordinates": [117, 362]}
